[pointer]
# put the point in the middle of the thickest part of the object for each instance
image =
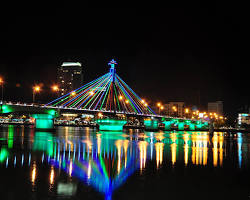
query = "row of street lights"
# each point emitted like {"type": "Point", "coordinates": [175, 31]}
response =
{"type": "Point", "coordinates": [174, 108]}
{"type": "Point", "coordinates": [37, 89]}
{"type": "Point", "coordinates": [194, 115]}
{"type": "Point", "coordinates": [160, 106]}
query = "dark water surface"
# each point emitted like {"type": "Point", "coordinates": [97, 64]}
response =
{"type": "Point", "coordinates": [81, 163]}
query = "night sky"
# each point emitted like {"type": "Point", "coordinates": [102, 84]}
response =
{"type": "Point", "coordinates": [173, 52]}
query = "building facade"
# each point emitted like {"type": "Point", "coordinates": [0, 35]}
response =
{"type": "Point", "coordinates": [215, 107]}
{"type": "Point", "coordinates": [175, 109]}
{"type": "Point", "coordinates": [244, 120]}
{"type": "Point", "coordinates": [70, 76]}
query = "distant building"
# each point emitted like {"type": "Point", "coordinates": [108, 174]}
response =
{"type": "Point", "coordinates": [216, 107]}
{"type": "Point", "coordinates": [244, 109]}
{"type": "Point", "coordinates": [70, 76]}
{"type": "Point", "coordinates": [175, 109]}
{"type": "Point", "coordinates": [244, 120]}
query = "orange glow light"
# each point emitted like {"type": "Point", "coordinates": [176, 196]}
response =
{"type": "Point", "coordinates": [37, 88]}
{"type": "Point", "coordinates": [55, 88]}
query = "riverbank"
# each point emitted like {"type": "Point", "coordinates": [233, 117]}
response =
{"type": "Point", "coordinates": [130, 127]}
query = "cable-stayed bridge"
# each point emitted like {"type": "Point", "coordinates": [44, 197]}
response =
{"type": "Point", "coordinates": [109, 98]}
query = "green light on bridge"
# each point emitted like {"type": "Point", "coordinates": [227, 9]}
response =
{"type": "Point", "coordinates": [44, 121]}
{"type": "Point", "coordinates": [191, 126]}
{"type": "Point", "coordinates": [151, 124]}
{"type": "Point", "coordinates": [52, 112]}
{"type": "Point", "coordinates": [6, 109]}
{"type": "Point", "coordinates": [3, 154]}
{"type": "Point", "coordinates": [181, 126]}
{"type": "Point", "coordinates": [167, 125]}
{"type": "Point", "coordinates": [202, 125]}
{"type": "Point", "coordinates": [111, 124]}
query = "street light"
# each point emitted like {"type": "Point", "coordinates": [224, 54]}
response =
{"type": "Point", "coordinates": [186, 111]}
{"type": "Point", "coordinates": [55, 89]}
{"type": "Point", "coordinates": [175, 110]}
{"type": "Point", "coordinates": [1, 83]}
{"type": "Point", "coordinates": [160, 107]}
{"type": "Point", "coordinates": [100, 115]}
{"type": "Point", "coordinates": [36, 89]}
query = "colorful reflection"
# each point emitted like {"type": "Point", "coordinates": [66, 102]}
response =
{"type": "Point", "coordinates": [200, 142]}
{"type": "Point", "coordinates": [217, 148]}
{"type": "Point", "coordinates": [105, 160]}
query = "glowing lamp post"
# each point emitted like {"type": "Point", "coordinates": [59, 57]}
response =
{"type": "Point", "coordinates": [175, 111]}
{"type": "Point", "coordinates": [160, 107]}
{"type": "Point", "coordinates": [55, 89]}
{"type": "Point", "coordinates": [36, 89]}
{"type": "Point", "coordinates": [1, 83]}
{"type": "Point", "coordinates": [100, 115]}
{"type": "Point", "coordinates": [186, 112]}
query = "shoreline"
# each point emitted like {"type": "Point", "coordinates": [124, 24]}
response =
{"type": "Point", "coordinates": [131, 127]}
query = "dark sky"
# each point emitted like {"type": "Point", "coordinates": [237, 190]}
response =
{"type": "Point", "coordinates": [173, 52]}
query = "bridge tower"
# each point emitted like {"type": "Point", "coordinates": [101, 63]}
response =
{"type": "Point", "coordinates": [112, 71]}
{"type": "Point", "coordinates": [112, 124]}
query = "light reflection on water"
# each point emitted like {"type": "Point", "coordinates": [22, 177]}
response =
{"type": "Point", "coordinates": [104, 160]}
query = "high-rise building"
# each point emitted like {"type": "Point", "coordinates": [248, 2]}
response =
{"type": "Point", "coordinates": [70, 76]}
{"type": "Point", "coordinates": [216, 107]}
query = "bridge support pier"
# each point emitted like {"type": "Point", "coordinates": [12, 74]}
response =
{"type": "Point", "coordinates": [167, 124]}
{"type": "Point", "coordinates": [192, 127]}
{"type": "Point", "coordinates": [202, 125]}
{"type": "Point", "coordinates": [44, 121]}
{"type": "Point", "coordinates": [181, 126]}
{"type": "Point", "coordinates": [151, 124]}
{"type": "Point", "coordinates": [111, 124]}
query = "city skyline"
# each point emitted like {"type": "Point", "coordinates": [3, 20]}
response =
{"type": "Point", "coordinates": [103, 101]}
{"type": "Point", "coordinates": [172, 50]}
